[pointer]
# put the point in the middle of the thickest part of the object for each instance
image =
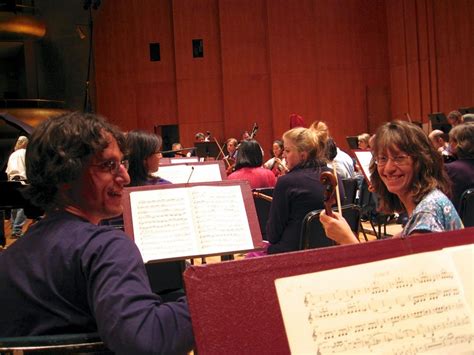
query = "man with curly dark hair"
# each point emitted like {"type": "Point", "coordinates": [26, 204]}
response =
{"type": "Point", "coordinates": [69, 275]}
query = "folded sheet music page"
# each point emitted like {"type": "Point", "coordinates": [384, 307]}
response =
{"type": "Point", "coordinates": [364, 157]}
{"type": "Point", "coordinates": [405, 305]}
{"type": "Point", "coordinates": [170, 223]}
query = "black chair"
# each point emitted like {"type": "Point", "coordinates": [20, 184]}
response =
{"type": "Point", "coordinates": [313, 234]}
{"type": "Point", "coordinates": [12, 198]}
{"type": "Point", "coordinates": [54, 344]}
{"type": "Point", "coordinates": [466, 207]}
{"type": "Point", "coordinates": [350, 189]}
{"type": "Point", "coordinates": [262, 206]}
{"type": "Point", "coordinates": [368, 204]}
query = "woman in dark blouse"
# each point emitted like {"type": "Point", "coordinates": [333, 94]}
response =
{"type": "Point", "coordinates": [299, 191]}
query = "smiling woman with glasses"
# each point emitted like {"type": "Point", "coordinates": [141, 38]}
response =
{"type": "Point", "coordinates": [408, 175]}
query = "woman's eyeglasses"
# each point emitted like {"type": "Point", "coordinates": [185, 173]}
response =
{"type": "Point", "coordinates": [399, 160]}
{"type": "Point", "coordinates": [112, 166]}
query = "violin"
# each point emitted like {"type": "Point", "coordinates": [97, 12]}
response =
{"type": "Point", "coordinates": [231, 165]}
{"type": "Point", "coordinates": [229, 161]}
{"type": "Point", "coordinates": [329, 180]}
{"type": "Point", "coordinates": [279, 168]}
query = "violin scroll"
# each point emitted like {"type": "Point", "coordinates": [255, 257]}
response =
{"type": "Point", "coordinates": [330, 182]}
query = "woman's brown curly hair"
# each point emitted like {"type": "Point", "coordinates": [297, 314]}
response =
{"type": "Point", "coordinates": [429, 172]}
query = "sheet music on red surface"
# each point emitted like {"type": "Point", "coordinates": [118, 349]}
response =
{"type": "Point", "coordinates": [249, 284]}
{"type": "Point", "coordinates": [410, 304]}
{"type": "Point", "coordinates": [180, 221]}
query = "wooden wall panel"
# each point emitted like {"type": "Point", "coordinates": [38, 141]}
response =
{"type": "Point", "coordinates": [412, 59]}
{"type": "Point", "coordinates": [454, 30]}
{"type": "Point", "coordinates": [436, 74]}
{"type": "Point", "coordinates": [198, 80]}
{"type": "Point", "coordinates": [293, 62]}
{"type": "Point", "coordinates": [245, 68]}
{"type": "Point", "coordinates": [352, 59]}
{"type": "Point", "coordinates": [122, 61]}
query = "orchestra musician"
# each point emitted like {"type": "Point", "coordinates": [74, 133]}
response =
{"type": "Point", "coordinates": [408, 175]}
{"type": "Point", "coordinates": [231, 146]}
{"type": "Point", "coordinates": [299, 191]}
{"type": "Point", "coordinates": [200, 137]}
{"type": "Point", "coordinates": [16, 171]}
{"type": "Point", "coordinates": [277, 163]}
{"type": "Point", "coordinates": [437, 139]}
{"type": "Point", "coordinates": [363, 141]}
{"type": "Point", "coordinates": [461, 171]}
{"type": "Point", "coordinates": [248, 166]}
{"type": "Point", "coordinates": [178, 150]}
{"type": "Point", "coordinates": [67, 274]}
{"type": "Point", "coordinates": [144, 158]}
{"type": "Point", "coordinates": [455, 118]}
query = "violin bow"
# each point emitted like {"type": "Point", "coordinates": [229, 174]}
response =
{"type": "Point", "coordinates": [262, 196]}
{"type": "Point", "coordinates": [221, 152]}
{"type": "Point", "coordinates": [338, 194]}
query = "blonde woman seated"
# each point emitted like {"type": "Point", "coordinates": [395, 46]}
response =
{"type": "Point", "coordinates": [299, 191]}
{"type": "Point", "coordinates": [408, 175]}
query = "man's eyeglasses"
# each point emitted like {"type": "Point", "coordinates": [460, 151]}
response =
{"type": "Point", "coordinates": [112, 166]}
{"type": "Point", "coordinates": [399, 160]}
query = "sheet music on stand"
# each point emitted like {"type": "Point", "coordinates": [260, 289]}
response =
{"type": "Point", "coordinates": [198, 171]}
{"type": "Point", "coordinates": [364, 158]}
{"type": "Point", "coordinates": [181, 221]}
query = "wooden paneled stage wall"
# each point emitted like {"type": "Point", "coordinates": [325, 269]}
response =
{"type": "Point", "coordinates": [351, 63]}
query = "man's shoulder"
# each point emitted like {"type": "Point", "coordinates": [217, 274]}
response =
{"type": "Point", "coordinates": [463, 165]}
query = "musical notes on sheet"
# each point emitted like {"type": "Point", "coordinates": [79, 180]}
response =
{"type": "Point", "coordinates": [199, 220]}
{"type": "Point", "coordinates": [404, 305]}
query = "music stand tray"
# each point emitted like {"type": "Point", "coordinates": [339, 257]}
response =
{"type": "Point", "coordinates": [353, 142]}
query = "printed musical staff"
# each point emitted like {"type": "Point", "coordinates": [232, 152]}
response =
{"type": "Point", "coordinates": [170, 223]}
{"type": "Point", "coordinates": [390, 307]}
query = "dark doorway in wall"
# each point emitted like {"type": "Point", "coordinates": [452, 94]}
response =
{"type": "Point", "coordinates": [170, 135]}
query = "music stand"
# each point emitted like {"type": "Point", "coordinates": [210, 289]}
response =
{"type": "Point", "coordinates": [353, 142]}
{"type": "Point", "coordinates": [466, 110]}
{"type": "Point", "coordinates": [439, 121]}
{"type": "Point", "coordinates": [206, 149]}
